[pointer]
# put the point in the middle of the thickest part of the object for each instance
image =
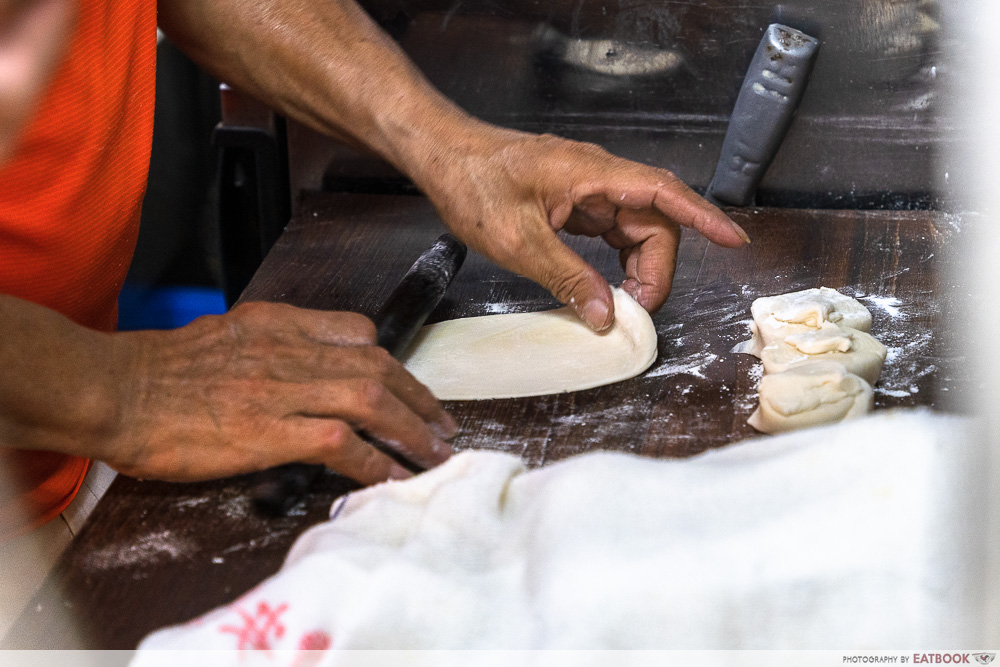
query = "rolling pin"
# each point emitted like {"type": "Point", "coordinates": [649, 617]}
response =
{"type": "Point", "coordinates": [397, 322]}
{"type": "Point", "coordinates": [771, 91]}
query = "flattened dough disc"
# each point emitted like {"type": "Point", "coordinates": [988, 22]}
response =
{"type": "Point", "coordinates": [531, 354]}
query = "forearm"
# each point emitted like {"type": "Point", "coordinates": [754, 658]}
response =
{"type": "Point", "coordinates": [59, 386]}
{"type": "Point", "coordinates": [324, 63]}
{"type": "Point", "coordinates": [504, 193]}
{"type": "Point", "coordinates": [262, 385]}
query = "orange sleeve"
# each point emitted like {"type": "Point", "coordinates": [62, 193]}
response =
{"type": "Point", "coordinates": [70, 204]}
{"type": "Point", "coordinates": [40, 486]}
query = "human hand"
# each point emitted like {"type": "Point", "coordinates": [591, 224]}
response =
{"type": "Point", "coordinates": [267, 384]}
{"type": "Point", "coordinates": [504, 193]}
{"type": "Point", "coordinates": [507, 193]}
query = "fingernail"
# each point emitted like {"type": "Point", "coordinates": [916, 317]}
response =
{"type": "Point", "coordinates": [442, 450]}
{"type": "Point", "coordinates": [739, 230]}
{"type": "Point", "coordinates": [595, 313]}
{"type": "Point", "coordinates": [397, 471]}
{"type": "Point", "coordinates": [444, 426]}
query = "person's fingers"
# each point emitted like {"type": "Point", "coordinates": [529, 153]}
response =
{"type": "Point", "coordinates": [648, 254]}
{"type": "Point", "coordinates": [220, 396]}
{"type": "Point", "coordinates": [339, 328]}
{"type": "Point", "coordinates": [368, 405]}
{"type": "Point", "coordinates": [550, 263]}
{"type": "Point", "coordinates": [525, 241]}
{"type": "Point", "coordinates": [634, 186]}
{"type": "Point", "coordinates": [333, 443]}
{"type": "Point", "coordinates": [683, 205]}
{"type": "Point", "coordinates": [345, 349]}
{"type": "Point", "coordinates": [377, 363]}
{"type": "Point", "coordinates": [335, 328]}
{"type": "Point", "coordinates": [582, 189]}
{"type": "Point", "coordinates": [592, 216]}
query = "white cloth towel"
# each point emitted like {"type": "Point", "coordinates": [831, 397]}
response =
{"type": "Point", "coordinates": [839, 537]}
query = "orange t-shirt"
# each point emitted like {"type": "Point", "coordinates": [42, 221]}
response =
{"type": "Point", "coordinates": [69, 209]}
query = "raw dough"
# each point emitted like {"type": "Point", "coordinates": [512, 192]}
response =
{"type": "Point", "coordinates": [531, 354]}
{"type": "Point", "coordinates": [819, 361]}
{"type": "Point", "coordinates": [820, 392]}
{"type": "Point", "coordinates": [775, 317]}
{"type": "Point", "coordinates": [859, 352]}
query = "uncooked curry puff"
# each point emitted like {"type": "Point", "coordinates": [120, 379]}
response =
{"type": "Point", "coordinates": [821, 392]}
{"type": "Point", "coordinates": [857, 351]}
{"type": "Point", "coordinates": [819, 361]}
{"type": "Point", "coordinates": [776, 317]}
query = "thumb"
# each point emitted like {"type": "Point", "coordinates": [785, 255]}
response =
{"type": "Point", "coordinates": [571, 280]}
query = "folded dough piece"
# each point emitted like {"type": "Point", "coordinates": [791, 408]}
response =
{"type": "Point", "coordinates": [820, 392]}
{"type": "Point", "coordinates": [858, 351]}
{"type": "Point", "coordinates": [531, 354]}
{"type": "Point", "coordinates": [776, 317]}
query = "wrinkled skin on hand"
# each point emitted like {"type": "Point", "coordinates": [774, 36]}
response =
{"type": "Point", "coordinates": [505, 193]}
{"type": "Point", "coordinates": [267, 384]}
{"type": "Point", "coordinates": [508, 193]}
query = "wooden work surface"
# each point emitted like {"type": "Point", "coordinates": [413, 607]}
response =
{"type": "Point", "coordinates": [154, 554]}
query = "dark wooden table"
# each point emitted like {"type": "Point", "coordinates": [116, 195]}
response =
{"type": "Point", "coordinates": [154, 554]}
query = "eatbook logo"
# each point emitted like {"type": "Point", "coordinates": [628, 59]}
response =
{"type": "Point", "coordinates": [984, 658]}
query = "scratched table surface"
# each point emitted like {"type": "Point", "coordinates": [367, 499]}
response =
{"type": "Point", "coordinates": [154, 554]}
